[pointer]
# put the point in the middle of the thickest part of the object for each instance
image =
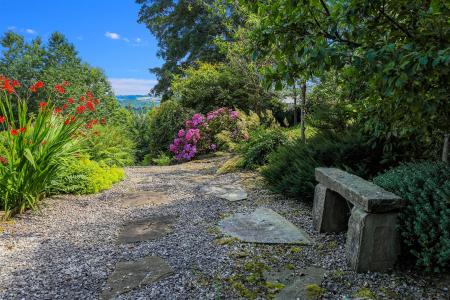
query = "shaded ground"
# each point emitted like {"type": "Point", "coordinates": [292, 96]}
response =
{"type": "Point", "coordinates": [69, 248]}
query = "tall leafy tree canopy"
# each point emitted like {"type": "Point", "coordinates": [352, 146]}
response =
{"type": "Point", "coordinates": [186, 31]}
{"type": "Point", "coordinates": [394, 57]}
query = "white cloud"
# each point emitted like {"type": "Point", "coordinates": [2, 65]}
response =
{"type": "Point", "coordinates": [132, 86]}
{"type": "Point", "coordinates": [138, 40]}
{"type": "Point", "coordinates": [112, 35]}
{"type": "Point", "coordinates": [13, 28]}
{"type": "Point", "coordinates": [30, 31]}
{"type": "Point", "coordinates": [126, 40]}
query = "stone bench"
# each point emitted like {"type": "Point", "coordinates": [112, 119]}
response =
{"type": "Point", "coordinates": [344, 201]}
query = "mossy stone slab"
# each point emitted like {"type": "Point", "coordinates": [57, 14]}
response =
{"type": "Point", "coordinates": [263, 226]}
{"type": "Point", "coordinates": [147, 229]}
{"type": "Point", "coordinates": [227, 192]}
{"type": "Point", "coordinates": [129, 275]}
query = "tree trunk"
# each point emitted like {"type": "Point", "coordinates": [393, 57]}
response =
{"type": "Point", "coordinates": [445, 149]}
{"type": "Point", "coordinates": [295, 104]}
{"type": "Point", "coordinates": [303, 113]}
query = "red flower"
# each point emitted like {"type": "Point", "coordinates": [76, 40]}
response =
{"type": "Point", "coordinates": [22, 129]}
{"type": "Point", "coordinates": [43, 142]}
{"type": "Point", "coordinates": [65, 83]}
{"type": "Point", "coordinates": [7, 86]}
{"type": "Point", "coordinates": [2, 119]}
{"type": "Point", "coordinates": [3, 160]}
{"type": "Point", "coordinates": [90, 95]}
{"type": "Point", "coordinates": [96, 101]}
{"type": "Point", "coordinates": [35, 87]}
{"type": "Point", "coordinates": [70, 100]}
{"type": "Point", "coordinates": [15, 83]}
{"type": "Point", "coordinates": [60, 89]}
{"type": "Point", "coordinates": [103, 121]}
{"type": "Point", "coordinates": [82, 98]}
{"type": "Point", "coordinates": [81, 109]}
{"type": "Point", "coordinates": [14, 132]}
{"type": "Point", "coordinates": [57, 110]}
{"type": "Point", "coordinates": [65, 106]}
{"type": "Point", "coordinates": [90, 106]}
{"type": "Point", "coordinates": [42, 105]}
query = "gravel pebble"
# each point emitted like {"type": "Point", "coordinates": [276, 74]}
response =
{"type": "Point", "coordinates": [67, 248]}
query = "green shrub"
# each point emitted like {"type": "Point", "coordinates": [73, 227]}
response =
{"type": "Point", "coordinates": [206, 87]}
{"type": "Point", "coordinates": [32, 148]}
{"type": "Point", "coordinates": [110, 145]}
{"type": "Point", "coordinates": [84, 176]}
{"type": "Point", "coordinates": [165, 121]}
{"type": "Point", "coordinates": [425, 222]}
{"type": "Point", "coordinates": [262, 142]}
{"type": "Point", "coordinates": [290, 169]}
{"type": "Point", "coordinates": [162, 160]}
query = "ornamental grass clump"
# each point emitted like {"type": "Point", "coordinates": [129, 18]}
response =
{"type": "Point", "coordinates": [198, 136]}
{"type": "Point", "coordinates": [33, 145]}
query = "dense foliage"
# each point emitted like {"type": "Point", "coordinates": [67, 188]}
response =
{"type": "Point", "coordinates": [260, 144]}
{"type": "Point", "coordinates": [186, 32]}
{"type": "Point", "coordinates": [84, 176]}
{"type": "Point", "coordinates": [165, 121]}
{"type": "Point", "coordinates": [55, 62]}
{"type": "Point", "coordinates": [425, 222]}
{"type": "Point", "coordinates": [32, 147]}
{"type": "Point", "coordinates": [290, 169]}
{"type": "Point", "coordinates": [199, 134]}
{"type": "Point", "coordinates": [393, 57]}
{"type": "Point", "coordinates": [110, 145]}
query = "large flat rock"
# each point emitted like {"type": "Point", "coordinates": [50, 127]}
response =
{"type": "Point", "coordinates": [362, 193]}
{"type": "Point", "coordinates": [263, 226]}
{"type": "Point", "coordinates": [296, 285]}
{"type": "Point", "coordinates": [137, 199]}
{"type": "Point", "coordinates": [146, 229]}
{"type": "Point", "coordinates": [228, 192]}
{"type": "Point", "coordinates": [129, 275]}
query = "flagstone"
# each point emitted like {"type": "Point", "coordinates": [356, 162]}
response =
{"type": "Point", "coordinates": [263, 226]}
{"type": "Point", "coordinates": [146, 229]}
{"type": "Point", "coordinates": [129, 275]}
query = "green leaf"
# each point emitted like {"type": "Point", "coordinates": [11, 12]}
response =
{"type": "Point", "coordinates": [30, 157]}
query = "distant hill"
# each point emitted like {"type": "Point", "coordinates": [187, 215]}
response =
{"type": "Point", "coordinates": [138, 101]}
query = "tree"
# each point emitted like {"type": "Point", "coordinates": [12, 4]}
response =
{"type": "Point", "coordinates": [53, 63]}
{"type": "Point", "coordinates": [395, 53]}
{"type": "Point", "coordinates": [186, 31]}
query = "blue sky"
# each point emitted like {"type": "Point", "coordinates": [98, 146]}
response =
{"type": "Point", "coordinates": [105, 33]}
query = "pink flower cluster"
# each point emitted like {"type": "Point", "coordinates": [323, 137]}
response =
{"type": "Point", "coordinates": [197, 136]}
{"type": "Point", "coordinates": [220, 112]}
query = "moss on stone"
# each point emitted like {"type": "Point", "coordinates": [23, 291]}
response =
{"type": "Point", "coordinates": [365, 293]}
{"type": "Point", "coordinates": [314, 291]}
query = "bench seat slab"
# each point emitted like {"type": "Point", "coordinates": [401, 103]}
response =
{"type": "Point", "coordinates": [362, 193]}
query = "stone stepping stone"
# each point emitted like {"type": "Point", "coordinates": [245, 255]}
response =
{"type": "Point", "coordinates": [263, 226]}
{"type": "Point", "coordinates": [296, 286]}
{"type": "Point", "coordinates": [129, 275]}
{"type": "Point", "coordinates": [136, 199]}
{"type": "Point", "coordinates": [147, 229]}
{"type": "Point", "coordinates": [228, 192]}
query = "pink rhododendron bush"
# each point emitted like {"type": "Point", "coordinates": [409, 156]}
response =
{"type": "Point", "coordinates": [199, 134]}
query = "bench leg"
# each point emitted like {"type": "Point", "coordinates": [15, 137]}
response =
{"type": "Point", "coordinates": [373, 243]}
{"type": "Point", "coordinates": [330, 211]}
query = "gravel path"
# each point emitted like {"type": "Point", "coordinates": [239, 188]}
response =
{"type": "Point", "coordinates": [68, 248]}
